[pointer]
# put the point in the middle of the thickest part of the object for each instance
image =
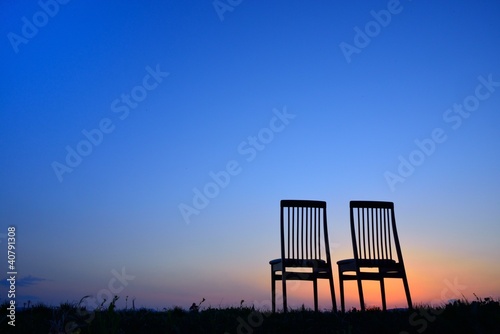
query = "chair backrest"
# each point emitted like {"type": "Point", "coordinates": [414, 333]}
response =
{"type": "Point", "coordinates": [373, 230]}
{"type": "Point", "coordinates": [304, 233]}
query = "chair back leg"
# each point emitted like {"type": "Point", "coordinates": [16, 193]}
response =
{"type": "Point", "coordinates": [332, 293]}
{"type": "Point", "coordinates": [407, 291]}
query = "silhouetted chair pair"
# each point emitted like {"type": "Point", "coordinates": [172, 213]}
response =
{"type": "Point", "coordinates": [302, 224]}
{"type": "Point", "coordinates": [375, 245]}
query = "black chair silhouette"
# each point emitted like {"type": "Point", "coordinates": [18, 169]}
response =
{"type": "Point", "coordinates": [375, 244]}
{"type": "Point", "coordinates": [303, 255]}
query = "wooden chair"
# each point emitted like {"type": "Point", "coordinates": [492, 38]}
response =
{"type": "Point", "coordinates": [375, 244]}
{"type": "Point", "coordinates": [303, 226]}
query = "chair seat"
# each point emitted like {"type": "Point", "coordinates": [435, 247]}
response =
{"type": "Point", "coordinates": [300, 263]}
{"type": "Point", "coordinates": [351, 263]}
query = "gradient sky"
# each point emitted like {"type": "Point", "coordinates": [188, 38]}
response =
{"type": "Point", "coordinates": [326, 100]}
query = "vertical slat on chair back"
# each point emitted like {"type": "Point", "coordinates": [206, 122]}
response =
{"type": "Point", "coordinates": [303, 226]}
{"type": "Point", "coordinates": [373, 229]}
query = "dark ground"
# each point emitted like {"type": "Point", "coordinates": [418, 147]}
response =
{"type": "Point", "coordinates": [482, 316]}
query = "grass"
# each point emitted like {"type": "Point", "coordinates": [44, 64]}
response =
{"type": "Point", "coordinates": [480, 316]}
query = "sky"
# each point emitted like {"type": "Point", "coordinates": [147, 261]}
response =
{"type": "Point", "coordinates": [146, 145]}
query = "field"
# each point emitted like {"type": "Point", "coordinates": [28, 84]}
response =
{"type": "Point", "coordinates": [481, 316]}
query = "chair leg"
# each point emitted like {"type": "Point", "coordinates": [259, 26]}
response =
{"type": "Point", "coordinates": [315, 288]}
{"type": "Point", "coordinates": [342, 300]}
{"type": "Point", "coordinates": [332, 292]}
{"type": "Point", "coordinates": [273, 291]}
{"type": "Point", "coordinates": [341, 284]}
{"type": "Point", "coordinates": [360, 290]}
{"type": "Point", "coordinates": [382, 292]}
{"type": "Point", "coordinates": [283, 280]}
{"type": "Point", "coordinates": [407, 291]}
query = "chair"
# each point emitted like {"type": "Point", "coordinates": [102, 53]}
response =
{"type": "Point", "coordinates": [303, 254]}
{"type": "Point", "coordinates": [375, 244]}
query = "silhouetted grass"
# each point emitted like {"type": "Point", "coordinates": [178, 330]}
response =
{"type": "Point", "coordinates": [481, 316]}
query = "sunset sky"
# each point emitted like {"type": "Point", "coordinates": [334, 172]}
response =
{"type": "Point", "coordinates": [146, 145]}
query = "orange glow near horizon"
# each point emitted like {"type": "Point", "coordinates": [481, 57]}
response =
{"type": "Point", "coordinates": [435, 277]}
{"type": "Point", "coordinates": [427, 287]}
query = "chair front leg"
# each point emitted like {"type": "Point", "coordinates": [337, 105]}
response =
{"type": "Point", "coordinates": [315, 287]}
{"type": "Point", "coordinates": [382, 292]}
{"type": "Point", "coordinates": [341, 284]}
{"type": "Point", "coordinates": [283, 280]}
{"type": "Point", "coordinates": [273, 290]}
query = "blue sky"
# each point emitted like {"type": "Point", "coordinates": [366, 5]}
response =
{"type": "Point", "coordinates": [171, 91]}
